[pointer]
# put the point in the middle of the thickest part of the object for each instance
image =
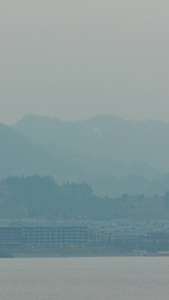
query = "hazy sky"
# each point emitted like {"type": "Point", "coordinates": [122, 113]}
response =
{"type": "Point", "coordinates": [74, 59]}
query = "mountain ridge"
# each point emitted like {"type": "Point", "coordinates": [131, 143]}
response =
{"type": "Point", "coordinates": [81, 151]}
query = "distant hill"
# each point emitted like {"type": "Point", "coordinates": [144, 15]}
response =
{"type": "Point", "coordinates": [94, 151]}
{"type": "Point", "coordinates": [104, 137]}
{"type": "Point", "coordinates": [113, 155]}
{"type": "Point", "coordinates": [19, 156]}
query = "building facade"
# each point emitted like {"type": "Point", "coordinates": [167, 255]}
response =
{"type": "Point", "coordinates": [43, 235]}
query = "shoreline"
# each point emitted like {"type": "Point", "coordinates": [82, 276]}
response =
{"type": "Point", "coordinates": [77, 252]}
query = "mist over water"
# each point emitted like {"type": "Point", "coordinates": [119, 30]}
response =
{"type": "Point", "coordinates": [129, 278]}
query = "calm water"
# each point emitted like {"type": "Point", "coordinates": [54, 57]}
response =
{"type": "Point", "coordinates": [84, 278]}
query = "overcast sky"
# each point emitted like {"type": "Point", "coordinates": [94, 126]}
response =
{"type": "Point", "coordinates": [74, 59]}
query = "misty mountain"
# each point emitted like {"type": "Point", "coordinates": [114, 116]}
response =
{"type": "Point", "coordinates": [102, 137]}
{"type": "Point", "coordinates": [113, 155]}
{"type": "Point", "coordinates": [18, 155]}
{"type": "Point", "coordinates": [132, 147]}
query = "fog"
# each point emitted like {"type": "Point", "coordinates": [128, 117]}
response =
{"type": "Point", "coordinates": [75, 59]}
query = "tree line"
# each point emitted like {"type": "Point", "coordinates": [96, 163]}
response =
{"type": "Point", "coordinates": [41, 197]}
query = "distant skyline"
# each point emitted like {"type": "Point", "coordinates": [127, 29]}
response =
{"type": "Point", "coordinates": [76, 59]}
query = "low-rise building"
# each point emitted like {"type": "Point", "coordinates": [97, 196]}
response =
{"type": "Point", "coordinates": [44, 234]}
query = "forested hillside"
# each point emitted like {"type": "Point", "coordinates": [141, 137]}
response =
{"type": "Point", "coordinates": [42, 197]}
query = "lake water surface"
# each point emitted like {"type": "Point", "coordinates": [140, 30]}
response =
{"type": "Point", "coordinates": [114, 278]}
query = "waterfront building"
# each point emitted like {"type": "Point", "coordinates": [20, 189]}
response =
{"type": "Point", "coordinates": [44, 234]}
